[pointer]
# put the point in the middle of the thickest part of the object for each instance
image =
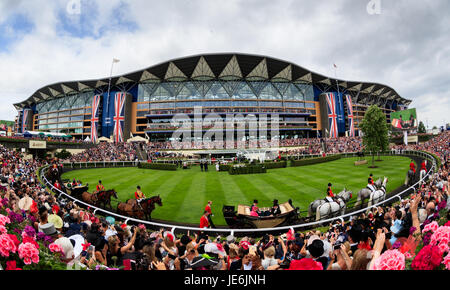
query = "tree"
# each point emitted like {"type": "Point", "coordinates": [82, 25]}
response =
{"type": "Point", "coordinates": [375, 129]}
{"type": "Point", "coordinates": [64, 154]}
{"type": "Point", "coordinates": [421, 129]}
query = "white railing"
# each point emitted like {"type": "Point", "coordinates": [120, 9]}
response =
{"type": "Point", "coordinates": [232, 231]}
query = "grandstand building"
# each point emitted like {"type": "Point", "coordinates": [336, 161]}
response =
{"type": "Point", "coordinates": [143, 103]}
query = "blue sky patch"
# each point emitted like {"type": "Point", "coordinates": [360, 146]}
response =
{"type": "Point", "coordinates": [13, 29]}
{"type": "Point", "coordinates": [87, 24]}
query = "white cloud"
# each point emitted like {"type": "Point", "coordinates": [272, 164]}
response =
{"type": "Point", "coordinates": [406, 47]}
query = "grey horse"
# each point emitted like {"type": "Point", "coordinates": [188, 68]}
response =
{"type": "Point", "coordinates": [364, 193]}
{"type": "Point", "coordinates": [312, 208]}
{"type": "Point", "coordinates": [336, 208]}
{"type": "Point", "coordinates": [379, 195]}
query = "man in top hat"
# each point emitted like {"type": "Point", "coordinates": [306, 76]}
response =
{"type": "Point", "coordinates": [371, 183]}
{"type": "Point", "coordinates": [275, 209]}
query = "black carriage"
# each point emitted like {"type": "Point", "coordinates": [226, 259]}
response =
{"type": "Point", "coordinates": [76, 191]}
{"type": "Point", "coordinates": [241, 219]}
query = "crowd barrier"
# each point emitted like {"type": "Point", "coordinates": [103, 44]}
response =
{"type": "Point", "coordinates": [173, 227]}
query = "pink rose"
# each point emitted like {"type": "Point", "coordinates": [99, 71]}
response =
{"type": "Point", "coordinates": [392, 260]}
{"type": "Point", "coordinates": [431, 227]}
{"type": "Point", "coordinates": [3, 230]}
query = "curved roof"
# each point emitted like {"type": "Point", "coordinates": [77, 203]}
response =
{"type": "Point", "coordinates": [223, 66]}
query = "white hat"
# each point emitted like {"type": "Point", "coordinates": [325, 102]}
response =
{"type": "Point", "coordinates": [78, 248]}
{"type": "Point", "coordinates": [25, 203]}
{"type": "Point", "coordinates": [67, 247]}
{"type": "Point", "coordinates": [214, 248]}
{"type": "Point", "coordinates": [312, 239]}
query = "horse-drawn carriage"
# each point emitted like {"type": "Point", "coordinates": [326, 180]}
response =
{"type": "Point", "coordinates": [242, 218]}
{"type": "Point", "coordinates": [76, 191]}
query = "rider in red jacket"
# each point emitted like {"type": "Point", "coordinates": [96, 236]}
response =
{"type": "Point", "coordinates": [423, 166]}
{"type": "Point", "coordinates": [412, 166]}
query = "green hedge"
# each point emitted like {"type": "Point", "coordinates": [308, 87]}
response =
{"type": "Point", "coordinates": [158, 166]}
{"type": "Point", "coordinates": [250, 169]}
{"type": "Point", "coordinates": [223, 167]}
{"type": "Point", "coordinates": [275, 165]}
{"type": "Point", "coordinates": [310, 161]}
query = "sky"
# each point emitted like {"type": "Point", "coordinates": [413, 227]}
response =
{"type": "Point", "coordinates": [404, 44]}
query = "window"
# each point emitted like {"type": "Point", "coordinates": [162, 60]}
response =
{"type": "Point", "coordinates": [270, 93]}
{"type": "Point", "coordinates": [217, 91]}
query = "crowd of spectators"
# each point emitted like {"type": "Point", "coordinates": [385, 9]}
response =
{"type": "Point", "coordinates": [155, 150]}
{"type": "Point", "coordinates": [38, 230]}
{"type": "Point", "coordinates": [107, 152]}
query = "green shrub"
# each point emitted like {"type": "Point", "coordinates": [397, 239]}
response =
{"type": "Point", "coordinates": [158, 166]}
{"type": "Point", "coordinates": [64, 154]}
{"type": "Point", "coordinates": [310, 161]}
{"type": "Point", "coordinates": [251, 169]}
{"type": "Point", "coordinates": [275, 165]}
{"type": "Point", "coordinates": [223, 167]}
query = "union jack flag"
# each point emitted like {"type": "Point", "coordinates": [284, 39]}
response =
{"type": "Point", "coordinates": [95, 118]}
{"type": "Point", "coordinates": [332, 115]}
{"type": "Point", "coordinates": [351, 120]}
{"type": "Point", "coordinates": [24, 120]}
{"type": "Point", "coordinates": [119, 116]}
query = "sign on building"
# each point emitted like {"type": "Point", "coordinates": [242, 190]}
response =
{"type": "Point", "coordinates": [38, 144]}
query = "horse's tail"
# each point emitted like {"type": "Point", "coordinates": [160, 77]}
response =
{"type": "Point", "coordinates": [318, 212]}
{"type": "Point", "coordinates": [359, 199]}
{"type": "Point", "coordinates": [310, 209]}
{"type": "Point", "coordinates": [370, 199]}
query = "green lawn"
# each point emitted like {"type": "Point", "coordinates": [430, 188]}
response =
{"type": "Point", "coordinates": [185, 193]}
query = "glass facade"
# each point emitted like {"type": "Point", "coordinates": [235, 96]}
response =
{"type": "Point", "coordinates": [232, 90]}
{"type": "Point", "coordinates": [64, 115]}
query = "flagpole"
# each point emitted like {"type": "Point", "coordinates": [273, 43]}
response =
{"type": "Point", "coordinates": [108, 120]}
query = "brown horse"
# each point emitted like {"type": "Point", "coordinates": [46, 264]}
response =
{"type": "Point", "coordinates": [89, 198]}
{"type": "Point", "coordinates": [104, 198]}
{"type": "Point", "coordinates": [54, 174]}
{"type": "Point", "coordinates": [144, 211]}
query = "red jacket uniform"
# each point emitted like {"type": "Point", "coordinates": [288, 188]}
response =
{"type": "Point", "coordinates": [208, 209]}
{"type": "Point", "coordinates": [204, 223]}
{"type": "Point", "coordinates": [424, 166]}
{"type": "Point", "coordinates": [412, 166]}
